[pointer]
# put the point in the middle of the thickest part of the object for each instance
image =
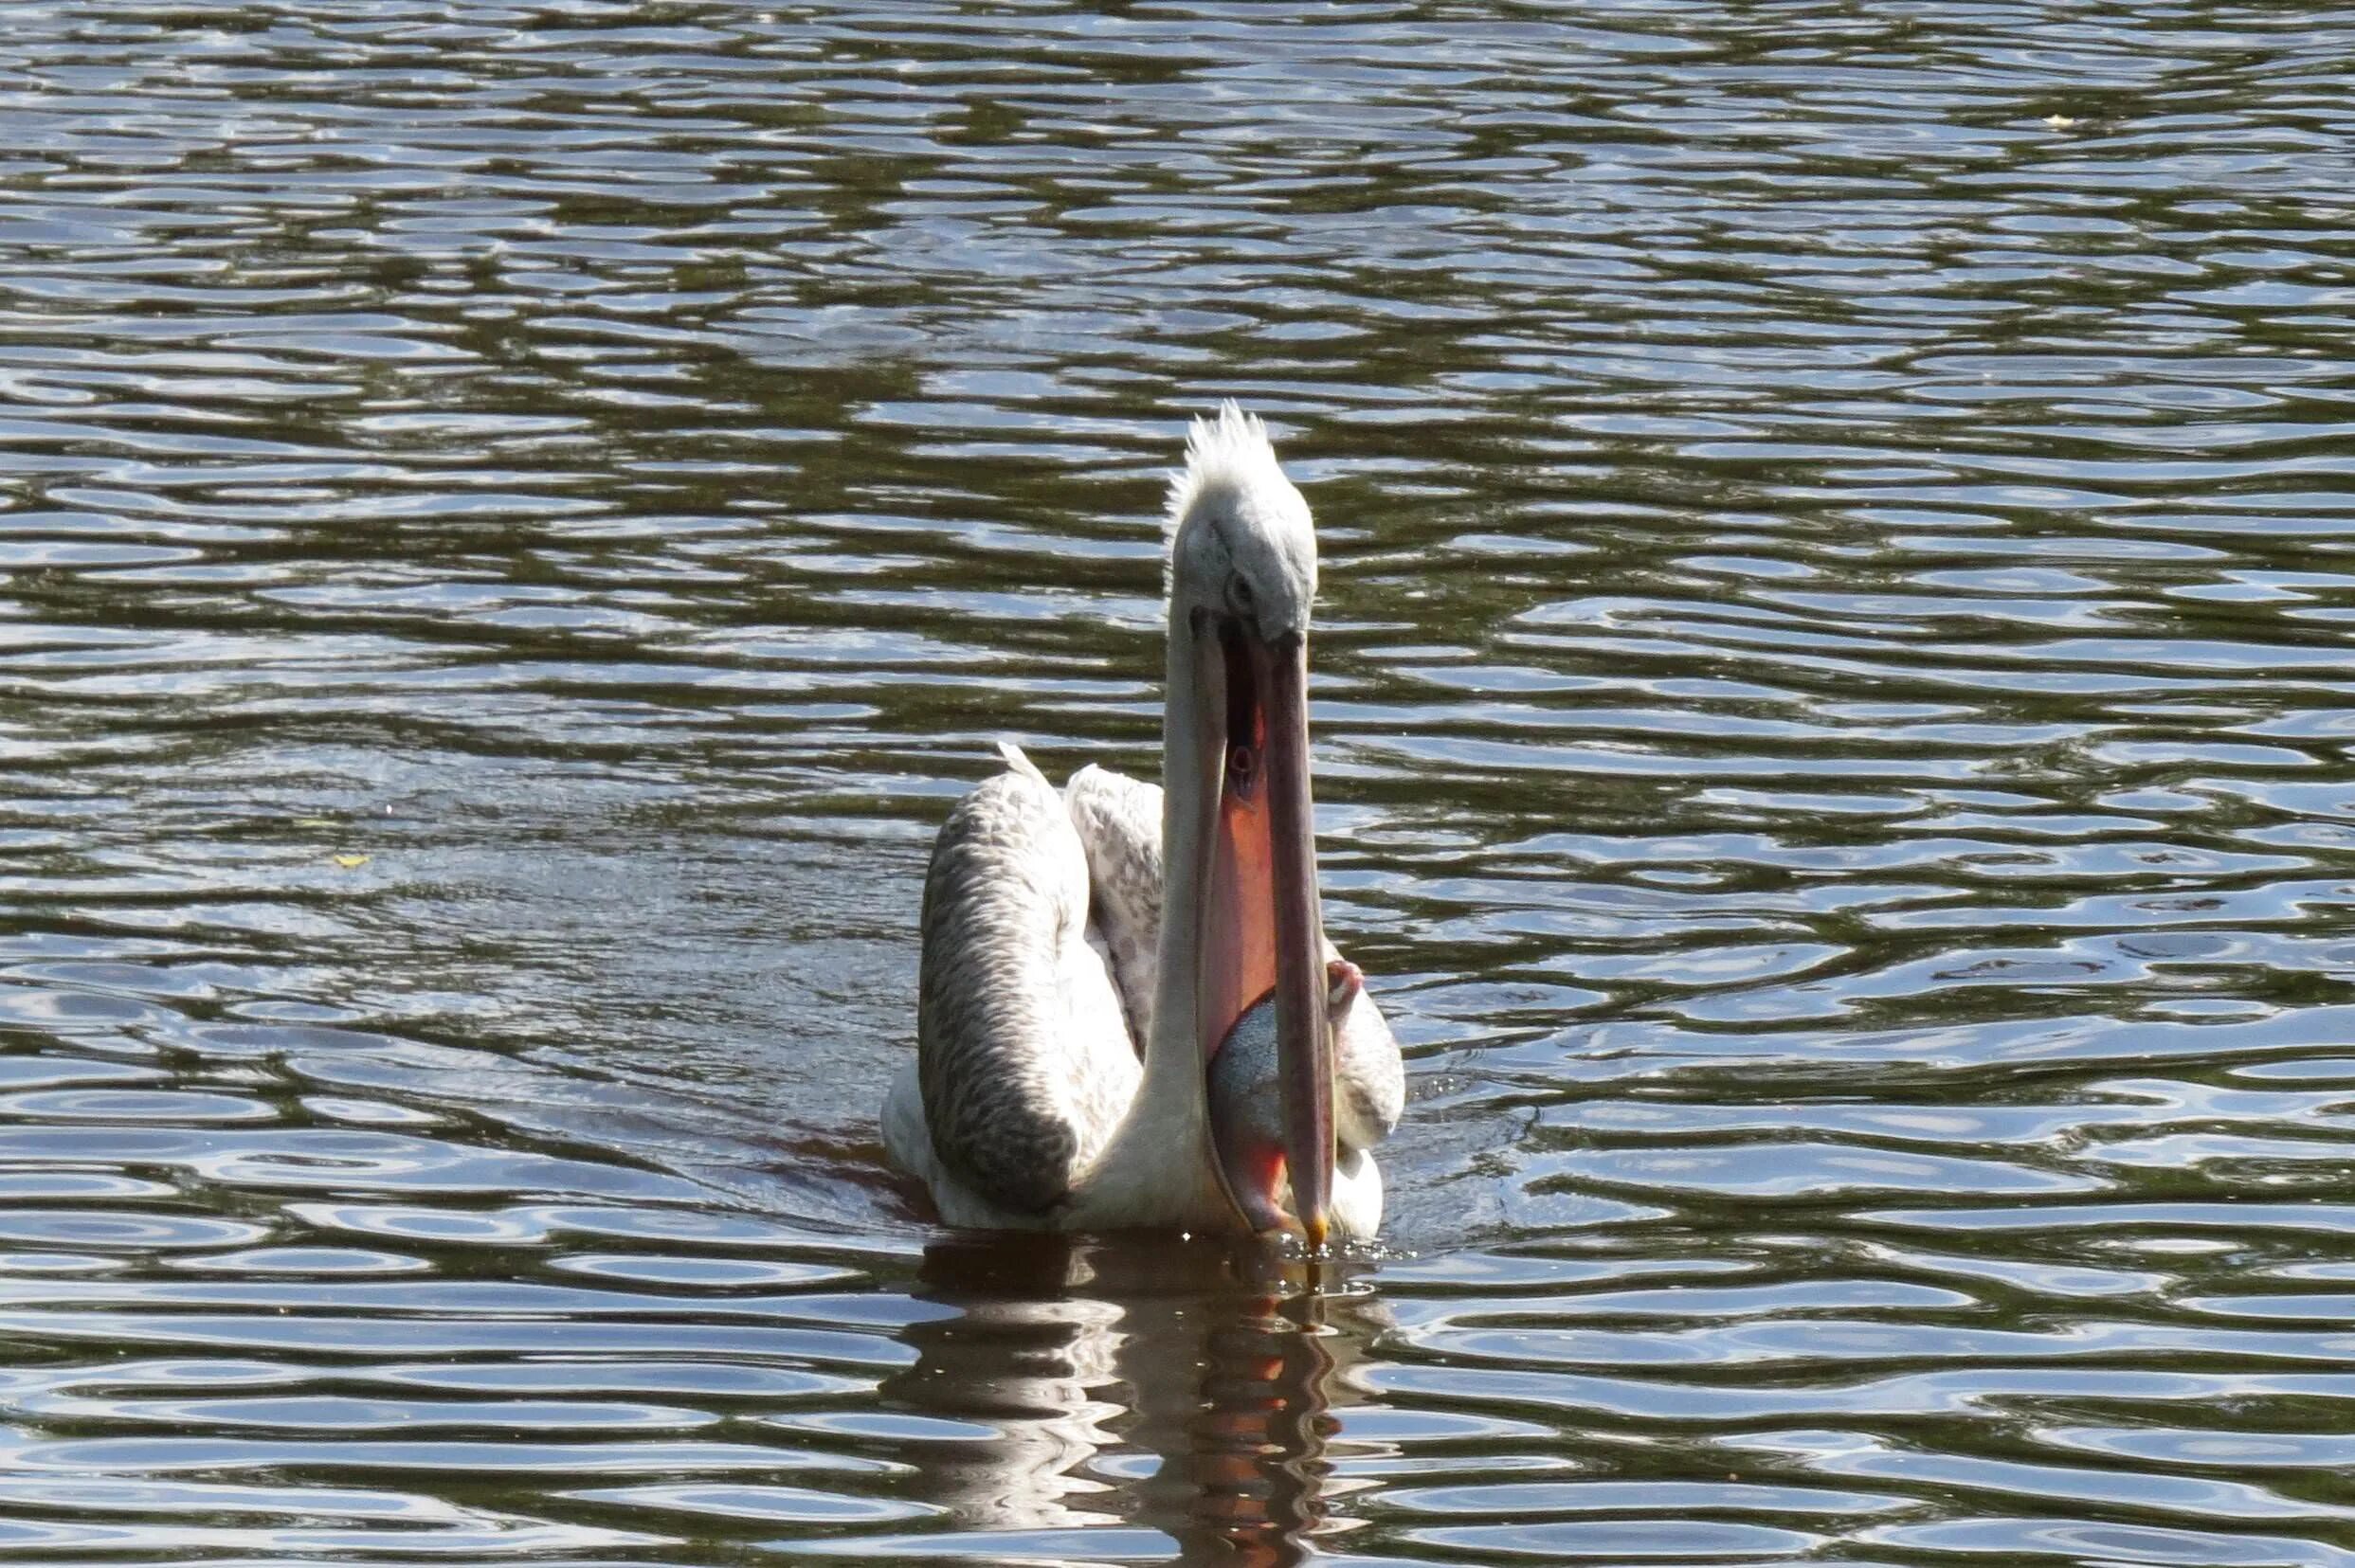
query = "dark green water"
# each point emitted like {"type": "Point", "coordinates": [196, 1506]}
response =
{"type": "Point", "coordinates": [1835, 731]}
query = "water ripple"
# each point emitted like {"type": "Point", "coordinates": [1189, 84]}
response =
{"type": "Point", "coordinates": [1834, 716]}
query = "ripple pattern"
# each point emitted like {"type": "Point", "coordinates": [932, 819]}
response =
{"type": "Point", "coordinates": [1835, 715]}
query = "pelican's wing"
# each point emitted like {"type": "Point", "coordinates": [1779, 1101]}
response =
{"type": "Point", "coordinates": [1118, 821]}
{"type": "Point", "coordinates": [1369, 1075]}
{"type": "Point", "coordinates": [1022, 1062]}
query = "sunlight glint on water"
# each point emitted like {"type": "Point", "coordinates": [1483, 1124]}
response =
{"type": "Point", "coordinates": [1834, 738]}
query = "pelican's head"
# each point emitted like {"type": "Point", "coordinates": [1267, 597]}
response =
{"type": "Point", "coordinates": [1242, 577]}
{"type": "Point", "coordinates": [1241, 541]}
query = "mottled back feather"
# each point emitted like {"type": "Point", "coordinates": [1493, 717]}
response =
{"type": "Point", "coordinates": [1118, 821]}
{"type": "Point", "coordinates": [1022, 1058]}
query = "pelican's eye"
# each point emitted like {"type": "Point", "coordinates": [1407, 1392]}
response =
{"type": "Point", "coordinates": [1239, 595]}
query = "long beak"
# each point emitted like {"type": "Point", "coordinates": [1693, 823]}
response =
{"type": "Point", "coordinates": [1303, 1025]}
{"type": "Point", "coordinates": [1265, 934]}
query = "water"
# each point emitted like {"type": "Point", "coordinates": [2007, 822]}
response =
{"type": "Point", "coordinates": [1833, 721]}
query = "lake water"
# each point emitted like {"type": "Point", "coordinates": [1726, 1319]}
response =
{"type": "Point", "coordinates": [1835, 715]}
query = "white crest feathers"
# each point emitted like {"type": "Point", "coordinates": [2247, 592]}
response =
{"type": "Point", "coordinates": [1230, 452]}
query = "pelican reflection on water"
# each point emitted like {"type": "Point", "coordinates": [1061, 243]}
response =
{"type": "Point", "coordinates": [1089, 1399]}
{"type": "Point", "coordinates": [1128, 1013]}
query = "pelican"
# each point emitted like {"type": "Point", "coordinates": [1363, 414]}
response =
{"type": "Point", "coordinates": [1128, 1015]}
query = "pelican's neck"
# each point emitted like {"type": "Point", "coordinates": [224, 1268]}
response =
{"type": "Point", "coordinates": [1157, 1169]}
{"type": "Point", "coordinates": [1192, 758]}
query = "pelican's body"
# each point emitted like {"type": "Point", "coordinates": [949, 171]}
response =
{"type": "Point", "coordinates": [1110, 1036]}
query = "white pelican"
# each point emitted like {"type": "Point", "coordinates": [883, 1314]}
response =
{"type": "Point", "coordinates": [1061, 944]}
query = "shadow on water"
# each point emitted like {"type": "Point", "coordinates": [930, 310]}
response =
{"type": "Point", "coordinates": [1090, 1388]}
